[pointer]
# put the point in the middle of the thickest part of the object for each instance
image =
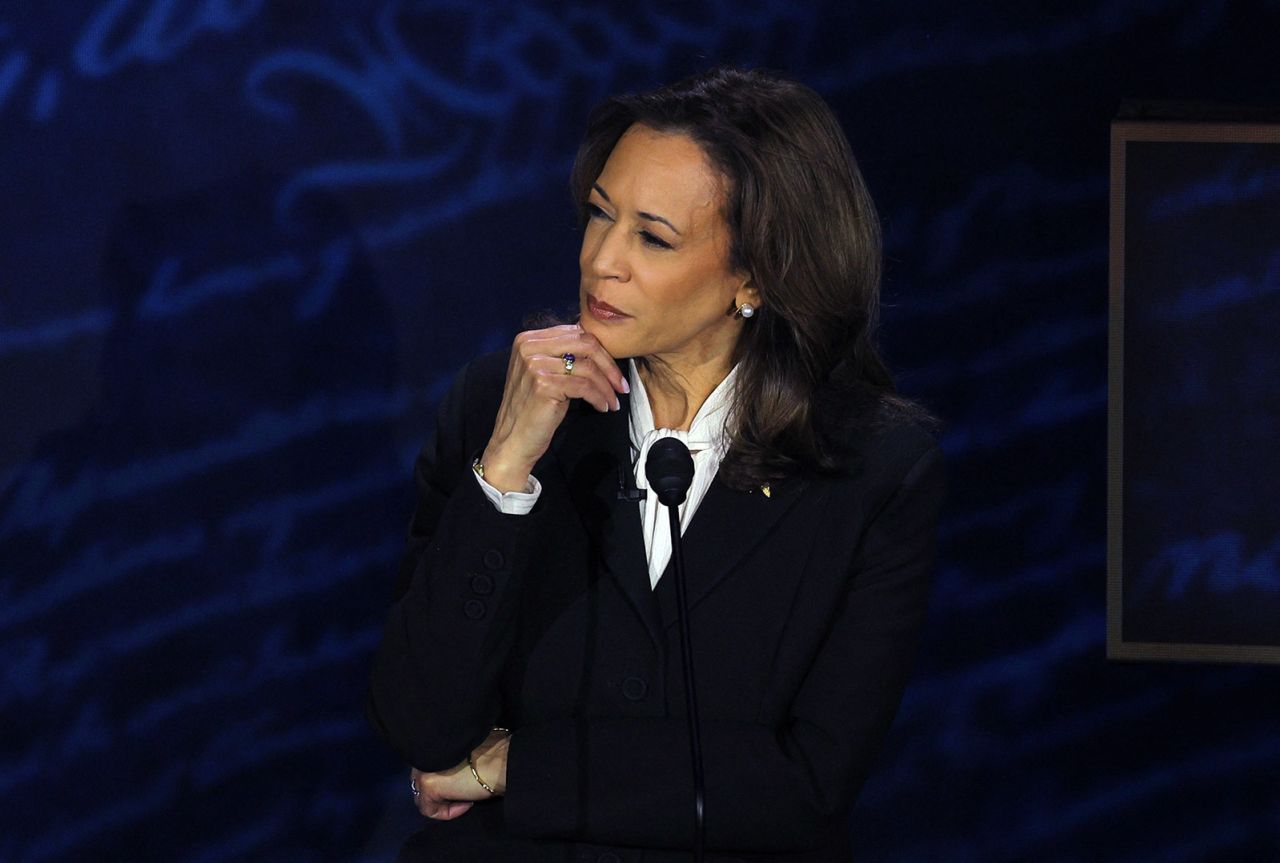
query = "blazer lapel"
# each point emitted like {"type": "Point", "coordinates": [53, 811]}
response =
{"type": "Point", "coordinates": [593, 450]}
{"type": "Point", "coordinates": [726, 529]}
{"type": "Point", "coordinates": [594, 453]}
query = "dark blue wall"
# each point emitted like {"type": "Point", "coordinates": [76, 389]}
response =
{"type": "Point", "coordinates": [245, 244]}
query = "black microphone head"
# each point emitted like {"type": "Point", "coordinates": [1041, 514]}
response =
{"type": "Point", "coordinates": [669, 469]}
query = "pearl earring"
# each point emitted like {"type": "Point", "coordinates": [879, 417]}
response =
{"type": "Point", "coordinates": [746, 310]}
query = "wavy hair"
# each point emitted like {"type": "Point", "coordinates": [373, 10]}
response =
{"type": "Point", "coordinates": [804, 228]}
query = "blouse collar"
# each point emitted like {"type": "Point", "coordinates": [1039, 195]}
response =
{"type": "Point", "coordinates": [707, 432]}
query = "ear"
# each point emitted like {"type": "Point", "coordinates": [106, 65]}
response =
{"type": "Point", "coordinates": [747, 293]}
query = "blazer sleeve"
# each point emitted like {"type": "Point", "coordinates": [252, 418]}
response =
{"type": "Point", "coordinates": [628, 780]}
{"type": "Point", "coordinates": [435, 692]}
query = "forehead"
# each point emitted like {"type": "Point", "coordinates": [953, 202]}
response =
{"type": "Point", "coordinates": [662, 172]}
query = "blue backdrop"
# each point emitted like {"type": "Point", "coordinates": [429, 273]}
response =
{"type": "Point", "coordinates": [246, 244]}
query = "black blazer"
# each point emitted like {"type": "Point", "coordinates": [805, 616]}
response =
{"type": "Point", "coordinates": [805, 610]}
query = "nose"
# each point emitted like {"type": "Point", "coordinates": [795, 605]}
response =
{"type": "Point", "coordinates": [605, 254]}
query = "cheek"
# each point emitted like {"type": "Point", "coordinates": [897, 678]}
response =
{"type": "Point", "coordinates": [695, 293]}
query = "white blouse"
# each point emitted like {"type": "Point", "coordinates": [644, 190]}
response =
{"type": "Point", "coordinates": [707, 441]}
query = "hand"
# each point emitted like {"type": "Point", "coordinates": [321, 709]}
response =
{"type": "Point", "coordinates": [536, 398]}
{"type": "Point", "coordinates": [449, 793]}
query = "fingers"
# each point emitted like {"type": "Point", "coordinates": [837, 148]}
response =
{"type": "Point", "coordinates": [603, 360]}
{"type": "Point", "coordinates": [536, 394]}
{"type": "Point", "coordinates": [572, 339]}
{"type": "Point", "coordinates": [446, 810]}
{"type": "Point", "coordinates": [429, 801]}
{"type": "Point", "coordinates": [586, 382]}
{"type": "Point", "coordinates": [425, 799]}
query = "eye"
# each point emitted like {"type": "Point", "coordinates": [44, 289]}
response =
{"type": "Point", "coordinates": [594, 212]}
{"type": "Point", "coordinates": [654, 240]}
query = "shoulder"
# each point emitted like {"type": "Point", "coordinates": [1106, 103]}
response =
{"type": "Point", "coordinates": [477, 387]}
{"type": "Point", "coordinates": [487, 372]}
{"type": "Point", "coordinates": [889, 448]}
{"type": "Point", "coordinates": [898, 441]}
{"type": "Point", "coordinates": [465, 413]}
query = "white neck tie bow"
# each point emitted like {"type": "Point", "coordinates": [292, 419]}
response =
{"type": "Point", "coordinates": [707, 442]}
{"type": "Point", "coordinates": [696, 443]}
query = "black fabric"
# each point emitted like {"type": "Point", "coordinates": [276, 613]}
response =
{"type": "Point", "coordinates": [806, 606]}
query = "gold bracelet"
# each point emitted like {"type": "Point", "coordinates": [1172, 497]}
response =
{"type": "Point", "coordinates": [483, 784]}
{"type": "Point", "coordinates": [472, 764]}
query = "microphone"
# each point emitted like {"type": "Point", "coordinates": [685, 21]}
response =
{"type": "Point", "coordinates": [669, 470]}
{"type": "Point", "coordinates": [627, 488]}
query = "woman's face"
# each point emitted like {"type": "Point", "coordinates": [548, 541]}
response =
{"type": "Point", "coordinates": [656, 250]}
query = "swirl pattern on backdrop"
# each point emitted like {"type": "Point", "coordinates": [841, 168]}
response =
{"type": "Point", "coordinates": [248, 244]}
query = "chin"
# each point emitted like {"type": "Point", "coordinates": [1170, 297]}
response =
{"type": "Point", "coordinates": [616, 348]}
{"type": "Point", "coordinates": [606, 338]}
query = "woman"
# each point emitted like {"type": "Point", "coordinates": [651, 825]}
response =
{"type": "Point", "coordinates": [530, 671]}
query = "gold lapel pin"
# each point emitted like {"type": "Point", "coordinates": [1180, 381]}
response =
{"type": "Point", "coordinates": [768, 492]}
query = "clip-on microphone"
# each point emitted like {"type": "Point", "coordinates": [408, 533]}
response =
{"type": "Point", "coordinates": [669, 469]}
{"type": "Point", "coordinates": [627, 489]}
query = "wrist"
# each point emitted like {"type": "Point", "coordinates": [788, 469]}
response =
{"type": "Point", "coordinates": [502, 472]}
{"type": "Point", "coordinates": [489, 763]}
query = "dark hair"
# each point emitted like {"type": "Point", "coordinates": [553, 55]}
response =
{"type": "Point", "coordinates": [804, 227]}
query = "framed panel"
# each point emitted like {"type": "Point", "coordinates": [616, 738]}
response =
{"type": "Point", "coordinates": [1193, 508]}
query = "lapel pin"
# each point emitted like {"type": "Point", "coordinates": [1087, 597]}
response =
{"type": "Point", "coordinates": [768, 492]}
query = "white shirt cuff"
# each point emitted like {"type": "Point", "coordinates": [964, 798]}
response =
{"type": "Point", "coordinates": [512, 502]}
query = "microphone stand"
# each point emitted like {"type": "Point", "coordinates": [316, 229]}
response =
{"type": "Point", "coordinates": [690, 691]}
{"type": "Point", "coordinates": [669, 470]}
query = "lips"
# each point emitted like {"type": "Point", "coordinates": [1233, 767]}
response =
{"type": "Point", "coordinates": [604, 311]}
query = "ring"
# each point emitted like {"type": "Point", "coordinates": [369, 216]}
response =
{"type": "Point", "coordinates": [413, 786]}
{"type": "Point", "coordinates": [568, 364]}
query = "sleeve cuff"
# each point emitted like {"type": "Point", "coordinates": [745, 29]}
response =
{"type": "Point", "coordinates": [512, 502]}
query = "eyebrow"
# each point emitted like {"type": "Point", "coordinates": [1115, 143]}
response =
{"type": "Point", "coordinates": [647, 216]}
